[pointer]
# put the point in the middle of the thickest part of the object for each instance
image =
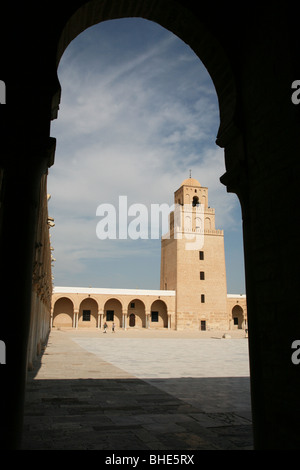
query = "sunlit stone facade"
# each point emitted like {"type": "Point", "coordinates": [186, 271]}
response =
{"type": "Point", "coordinates": [193, 290]}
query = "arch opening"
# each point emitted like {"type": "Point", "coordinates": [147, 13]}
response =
{"type": "Point", "coordinates": [63, 313]}
{"type": "Point", "coordinates": [169, 126]}
{"type": "Point", "coordinates": [113, 312]}
{"type": "Point", "coordinates": [159, 314]}
{"type": "Point", "coordinates": [88, 313]}
{"type": "Point", "coordinates": [195, 199]}
{"type": "Point", "coordinates": [238, 317]}
{"type": "Point", "coordinates": [175, 18]}
{"type": "Point", "coordinates": [136, 316]}
{"type": "Point", "coordinates": [136, 313]}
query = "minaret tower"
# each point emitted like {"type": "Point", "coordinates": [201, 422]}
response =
{"type": "Point", "coordinates": [193, 260]}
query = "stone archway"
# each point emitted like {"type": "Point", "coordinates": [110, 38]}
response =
{"type": "Point", "coordinates": [259, 157]}
{"type": "Point", "coordinates": [159, 314]}
{"type": "Point", "coordinates": [175, 18]}
{"type": "Point", "coordinates": [237, 317]}
{"type": "Point", "coordinates": [63, 313]}
{"type": "Point", "coordinates": [88, 313]}
{"type": "Point", "coordinates": [113, 312]}
{"type": "Point", "coordinates": [137, 313]}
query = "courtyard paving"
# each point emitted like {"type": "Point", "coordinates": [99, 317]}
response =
{"type": "Point", "coordinates": [139, 390]}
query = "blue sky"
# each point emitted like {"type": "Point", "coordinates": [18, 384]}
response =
{"type": "Point", "coordinates": [138, 111]}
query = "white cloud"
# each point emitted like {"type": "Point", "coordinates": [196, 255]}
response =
{"type": "Point", "coordinates": [132, 122]}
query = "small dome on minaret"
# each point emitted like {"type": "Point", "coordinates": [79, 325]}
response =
{"type": "Point", "coordinates": [191, 182]}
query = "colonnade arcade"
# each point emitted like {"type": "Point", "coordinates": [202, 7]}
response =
{"type": "Point", "coordinates": [92, 312]}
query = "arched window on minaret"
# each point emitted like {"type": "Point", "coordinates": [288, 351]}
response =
{"type": "Point", "coordinates": [187, 223]}
{"type": "Point", "coordinates": [195, 202]}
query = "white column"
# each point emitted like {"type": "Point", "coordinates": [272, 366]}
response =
{"type": "Point", "coordinates": [76, 312]}
{"type": "Point", "coordinates": [148, 319]}
{"type": "Point", "coordinates": [100, 318]}
{"type": "Point", "coordinates": [124, 315]}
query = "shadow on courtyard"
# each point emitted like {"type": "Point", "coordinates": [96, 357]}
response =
{"type": "Point", "coordinates": [135, 414]}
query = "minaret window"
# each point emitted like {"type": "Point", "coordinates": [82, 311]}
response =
{"type": "Point", "coordinates": [195, 201]}
{"type": "Point", "coordinates": [202, 275]}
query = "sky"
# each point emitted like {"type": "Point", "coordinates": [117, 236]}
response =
{"type": "Point", "coordinates": [138, 112]}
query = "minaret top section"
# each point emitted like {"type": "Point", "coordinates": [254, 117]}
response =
{"type": "Point", "coordinates": [191, 182]}
{"type": "Point", "coordinates": [191, 192]}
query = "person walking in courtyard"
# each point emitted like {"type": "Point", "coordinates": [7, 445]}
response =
{"type": "Point", "coordinates": [113, 327]}
{"type": "Point", "coordinates": [105, 326]}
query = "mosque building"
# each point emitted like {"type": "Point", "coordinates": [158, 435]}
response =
{"type": "Point", "coordinates": [193, 289]}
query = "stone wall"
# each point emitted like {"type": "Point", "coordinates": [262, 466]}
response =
{"type": "Point", "coordinates": [41, 281]}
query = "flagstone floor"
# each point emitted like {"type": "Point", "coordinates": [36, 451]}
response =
{"type": "Point", "coordinates": [139, 390]}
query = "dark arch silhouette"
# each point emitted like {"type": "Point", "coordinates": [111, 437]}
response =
{"type": "Point", "coordinates": [175, 18]}
{"type": "Point", "coordinates": [251, 52]}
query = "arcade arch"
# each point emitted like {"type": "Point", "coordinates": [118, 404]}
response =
{"type": "Point", "coordinates": [113, 312]}
{"type": "Point", "coordinates": [159, 314]}
{"type": "Point", "coordinates": [93, 307]}
{"type": "Point", "coordinates": [88, 313]}
{"type": "Point", "coordinates": [63, 313]}
{"type": "Point", "coordinates": [136, 313]}
{"type": "Point", "coordinates": [237, 317]}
